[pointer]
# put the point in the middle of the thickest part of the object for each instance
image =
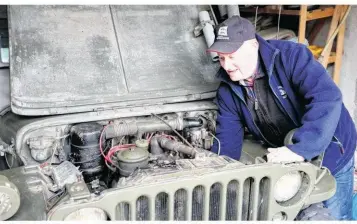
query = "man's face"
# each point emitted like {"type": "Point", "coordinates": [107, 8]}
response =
{"type": "Point", "coordinates": [242, 63]}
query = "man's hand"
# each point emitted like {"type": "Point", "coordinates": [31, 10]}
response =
{"type": "Point", "coordinates": [283, 154]}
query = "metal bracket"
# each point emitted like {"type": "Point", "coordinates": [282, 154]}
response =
{"type": "Point", "coordinates": [259, 160]}
{"type": "Point", "coordinates": [198, 29]}
{"type": "Point", "coordinates": [52, 201]}
{"type": "Point", "coordinates": [5, 148]}
{"type": "Point", "coordinates": [322, 174]}
{"type": "Point", "coordinates": [78, 190]}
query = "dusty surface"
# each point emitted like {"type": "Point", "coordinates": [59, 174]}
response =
{"type": "Point", "coordinates": [66, 56]}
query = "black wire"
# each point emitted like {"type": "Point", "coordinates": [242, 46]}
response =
{"type": "Point", "coordinates": [110, 167]}
{"type": "Point", "coordinates": [211, 120]}
{"type": "Point", "coordinates": [57, 194]}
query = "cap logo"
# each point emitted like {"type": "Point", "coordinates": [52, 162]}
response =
{"type": "Point", "coordinates": [223, 31]}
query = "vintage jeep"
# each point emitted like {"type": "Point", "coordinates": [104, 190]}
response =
{"type": "Point", "coordinates": [112, 118]}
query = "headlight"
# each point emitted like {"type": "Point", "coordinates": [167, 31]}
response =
{"type": "Point", "coordinates": [87, 214]}
{"type": "Point", "coordinates": [280, 216]}
{"type": "Point", "coordinates": [287, 186]}
{"type": "Point", "coordinates": [9, 198]}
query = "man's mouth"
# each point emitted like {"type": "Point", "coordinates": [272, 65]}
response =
{"type": "Point", "coordinates": [231, 72]}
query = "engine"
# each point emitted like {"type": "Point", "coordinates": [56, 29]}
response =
{"type": "Point", "coordinates": [102, 153]}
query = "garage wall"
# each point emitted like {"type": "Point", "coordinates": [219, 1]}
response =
{"type": "Point", "coordinates": [348, 82]}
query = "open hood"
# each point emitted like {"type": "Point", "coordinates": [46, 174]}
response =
{"type": "Point", "coordinates": [68, 59]}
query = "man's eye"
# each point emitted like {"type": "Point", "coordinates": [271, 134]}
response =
{"type": "Point", "coordinates": [221, 58]}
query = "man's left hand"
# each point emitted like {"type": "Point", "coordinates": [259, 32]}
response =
{"type": "Point", "coordinates": [283, 154]}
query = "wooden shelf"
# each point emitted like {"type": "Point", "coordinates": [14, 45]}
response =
{"type": "Point", "coordinates": [336, 12]}
{"type": "Point", "coordinates": [311, 15]}
{"type": "Point", "coordinates": [331, 59]}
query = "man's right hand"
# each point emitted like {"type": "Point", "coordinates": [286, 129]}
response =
{"type": "Point", "coordinates": [283, 154]}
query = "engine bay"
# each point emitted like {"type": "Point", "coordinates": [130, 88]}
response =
{"type": "Point", "coordinates": [101, 153]}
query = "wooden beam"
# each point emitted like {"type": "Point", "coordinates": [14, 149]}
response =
{"type": "Point", "coordinates": [334, 23]}
{"type": "Point", "coordinates": [320, 13]}
{"type": "Point", "coordinates": [302, 23]}
{"type": "Point", "coordinates": [339, 48]}
{"type": "Point", "coordinates": [283, 12]}
{"type": "Point", "coordinates": [332, 59]}
{"type": "Point", "coordinates": [311, 15]}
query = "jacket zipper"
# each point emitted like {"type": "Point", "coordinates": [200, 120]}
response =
{"type": "Point", "coordinates": [282, 105]}
{"type": "Point", "coordinates": [256, 126]}
{"type": "Point", "coordinates": [262, 111]}
{"type": "Point", "coordinates": [256, 105]}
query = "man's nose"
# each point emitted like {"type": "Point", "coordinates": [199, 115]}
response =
{"type": "Point", "coordinates": [227, 64]}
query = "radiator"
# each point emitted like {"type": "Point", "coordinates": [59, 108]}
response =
{"type": "Point", "coordinates": [219, 201]}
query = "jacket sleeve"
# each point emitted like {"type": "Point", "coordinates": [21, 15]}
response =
{"type": "Point", "coordinates": [229, 128]}
{"type": "Point", "coordinates": [322, 106]}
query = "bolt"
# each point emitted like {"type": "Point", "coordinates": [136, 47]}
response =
{"type": "Point", "coordinates": [77, 188]}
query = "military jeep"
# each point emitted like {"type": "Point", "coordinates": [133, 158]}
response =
{"type": "Point", "coordinates": [111, 117]}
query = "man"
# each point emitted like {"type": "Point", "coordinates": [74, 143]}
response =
{"type": "Point", "coordinates": [272, 87]}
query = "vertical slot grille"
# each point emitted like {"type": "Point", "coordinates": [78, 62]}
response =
{"type": "Point", "coordinates": [246, 198]}
{"type": "Point", "coordinates": [180, 205]}
{"type": "Point", "coordinates": [214, 201]}
{"type": "Point", "coordinates": [198, 200]}
{"type": "Point", "coordinates": [232, 201]}
{"type": "Point", "coordinates": [123, 211]}
{"type": "Point", "coordinates": [161, 207]}
{"type": "Point", "coordinates": [142, 209]}
{"type": "Point", "coordinates": [254, 200]}
{"type": "Point", "coordinates": [264, 190]}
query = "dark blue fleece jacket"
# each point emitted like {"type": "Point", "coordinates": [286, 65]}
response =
{"type": "Point", "coordinates": [306, 94]}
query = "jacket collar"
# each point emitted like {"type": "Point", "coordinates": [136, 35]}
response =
{"type": "Point", "coordinates": [267, 54]}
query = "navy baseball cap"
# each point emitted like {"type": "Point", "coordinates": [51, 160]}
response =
{"type": "Point", "coordinates": [231, 34]}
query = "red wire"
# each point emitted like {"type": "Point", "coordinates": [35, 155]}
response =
{"type": "Point", "coordinates": [116, 149]}
{"type": "Point", "coordinates": [100, 143]}
{"type": "Point", "coordinates": [169, 136]}
{"type": "Point", "coordinates": [152, 134]}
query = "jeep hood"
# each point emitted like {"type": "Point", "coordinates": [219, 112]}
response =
{"type": "Point", "coordinates": [69, 59]}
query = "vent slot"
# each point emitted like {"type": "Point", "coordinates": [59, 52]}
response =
{"type": "Point", "coordinates": [198, 202]}
{"type": "Point", "coordinates": [161, 207]}
{"type": "Point", "coordinates": [214, 201]}
{"type": "Point", "coordinates": [123, 211]}
{"type": "Point", "coordinates": [254, 200]}
{"type": "Point", "coordinates": [246, 198]}
{"type": "Point", "coordinates": [232, 201]}
{"type": "Point", "coordinates": [142, 209]}
{"type": "Point", "coordinates": [264, 192]}
{"type": "Point", "coordinates": [180, 205]}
